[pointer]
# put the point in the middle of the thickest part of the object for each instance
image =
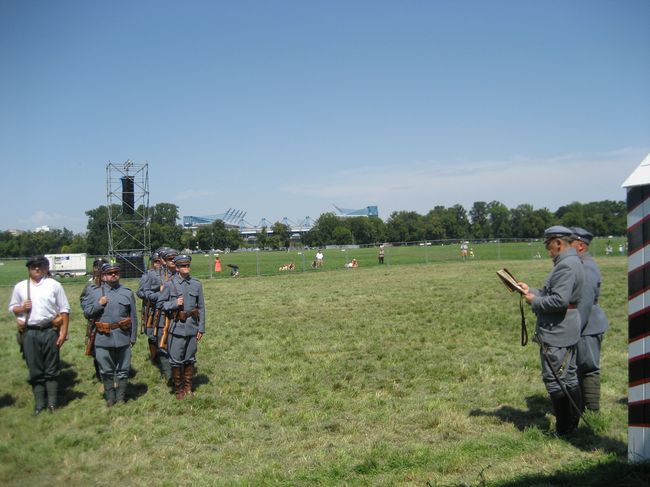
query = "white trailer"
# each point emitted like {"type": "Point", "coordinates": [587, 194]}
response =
{"type": "Point", "coordinates": [67, 265]}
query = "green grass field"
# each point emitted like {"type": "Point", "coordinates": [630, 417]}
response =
{"type": "Point", "coordinates": [267, 263]}
{"type": "Point", "coordinates": [393, 375]}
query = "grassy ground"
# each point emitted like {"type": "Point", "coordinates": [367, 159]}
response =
{"type": "Point", "coordinates": [394, 375]}
{"type": "Point", "coordinates": [267, 263]}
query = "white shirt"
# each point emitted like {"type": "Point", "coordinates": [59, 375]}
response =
{"type": "Point", "coordinates": [319, 256]}
{"type": "Point", "coordinates": [48, 300]}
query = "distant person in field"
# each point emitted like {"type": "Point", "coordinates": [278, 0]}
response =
{"type": "Point", "coordinates": [42, 314]}
{"type": "Point", "coordinates": [353, 264]}
{"type": "Point", "coordinates": [234, 270]}
{"type": "Point", "coordinates": [381, 254]}
{"type": "Point", "coordinates": [558, 326]}
{"type": "Point", "coordinates": [463, 250]}
{"type": "Point", "coordinates": [621, 249]}
{"type": "Point", "coordinates": [594, 323]}
{"type": "Point", "coordinates": [217, 264]}
{"type": "Point", "coordinates": [319, 258]}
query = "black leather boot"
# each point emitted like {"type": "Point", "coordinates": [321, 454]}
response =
{"type": "Point", "coordinates": [120, 393]}
{"type": "Point", "coordinates": [560, 403]}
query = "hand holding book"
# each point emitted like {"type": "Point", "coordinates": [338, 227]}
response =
{"type": "Point", "coordinates": [510, 281]}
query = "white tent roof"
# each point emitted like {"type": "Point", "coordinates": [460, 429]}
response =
{"type": "Point", "coordinates": [640, 176]}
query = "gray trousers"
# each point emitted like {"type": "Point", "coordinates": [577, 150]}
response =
{"type": "Point", "coordinates": [182, 350]}
{"type": "Point", "coordinates": [114, 362]}
{"type": "Point", "coordinates": [589, 355]}
{"type": "Point", "coordinates": [563, 361]}
{"type": "Point", "coordinates": [41, 355]}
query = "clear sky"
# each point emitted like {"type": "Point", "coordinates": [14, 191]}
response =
{"type": "Point", "coordinates": [281, 108]}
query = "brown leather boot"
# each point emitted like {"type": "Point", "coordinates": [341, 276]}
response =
{"type": "Point", "coordinates": [153, 353]}
{"type": "Point", "coordinates": [178, 384]}
{"type": "Point", "coordinates": [188, 375]}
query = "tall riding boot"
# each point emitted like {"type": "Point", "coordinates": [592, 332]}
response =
{"type": "Point", "coordinates": [39, 398]}
{"type": "Point", "coordinates": [120, 393]}
{"type": "Point", "coordinates": [178, 384]}
{"type": "Point", "coordinates": [560, 402]}
{"type": "Point", "coordinates": [109, 392]}
{"type": "Point", "coordinates": [591, 392]}
{"type": "Point", "coordinates": [52, 388]}
{"type": "Point", "coordinates": [188, 375]}
{"type": "Point", "coordinates": [153, 353]}
{"type": "Point", "coordinates": [165, 369]}
{"type": "Point", "coordinates": [574, 407]}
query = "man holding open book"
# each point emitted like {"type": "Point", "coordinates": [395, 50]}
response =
{"type": "Point", "coordinates": [558, 326]}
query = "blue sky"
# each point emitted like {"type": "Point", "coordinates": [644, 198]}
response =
{"type": "Point", "coordinates": [281, 108]}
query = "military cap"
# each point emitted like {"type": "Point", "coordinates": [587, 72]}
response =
{"type": "Point", "coordinates": [168, 253]}
{"type": "Point", "coordinates": [581, 234]}
{"type": "Point", "coordinates": [98, 263]}
{"type": "Point", "coordinates": [154, 255]}
{"type": "Point", "coordinates": [557, 231]}
{"type": "Point", "coordinates": [182, 258]}
{"type": "Point", "coordinates": [110, 266]}
{"type": "Point", "coordinates": [38, 260]}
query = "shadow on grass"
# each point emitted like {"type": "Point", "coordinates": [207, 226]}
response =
{"type": "Point", "coordinates": [538, 405]}
{"type": "Point", "coordinates": [68, 378]}
{"type": "Point", "coordinates": [134, 391]}
{"type": "Point", "coordinates": [7, 400]}
{"type": "Point", "coordinates": [200, 380]}
{"type": "Point", "coordinates": [612, 473]}
{"type": "Point", "coordinates": [535, 416]}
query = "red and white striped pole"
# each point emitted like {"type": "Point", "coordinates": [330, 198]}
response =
{"type": "Point", "coordinates": [638, 240]}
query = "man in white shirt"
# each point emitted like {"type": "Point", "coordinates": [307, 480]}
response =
{"type": "Point", "coordinates": [42, 312]}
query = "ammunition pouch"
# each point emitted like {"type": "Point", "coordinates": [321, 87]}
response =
{"type": "Point", "coordinates": [103, 327]}
{"type": "Point", "coordinates": [183, 315]}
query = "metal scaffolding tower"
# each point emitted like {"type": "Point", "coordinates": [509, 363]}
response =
{"type": "Point", "coordinates": [127, 195]}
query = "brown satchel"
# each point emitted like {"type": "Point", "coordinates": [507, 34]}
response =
{"type": "Point", "coordinates": [57, 322]}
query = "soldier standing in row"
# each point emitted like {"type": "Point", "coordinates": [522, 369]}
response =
{"type": "Point", "coordinates": [149, 290]}
{"type": "Point", "coordinates": [42, 312]}
{"type": "Point", "coordinates": [112, 306]}
{"type": "Point", "coordinates": [167, 256]}
{"type": "Point", "coordinates": [183, 303]}
{"type": "Point", "coordinates": [594, 324]}
{"type": "Point", "coordinates": [558, 326]}
{"type": "Point", "coordinates": [94, 283]}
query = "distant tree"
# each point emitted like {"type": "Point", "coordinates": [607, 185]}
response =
{"type": "Point", "coordinates": [499, 217]}
{"type": "Point", "coordinates": [165, 214]}
{"type": "Point", "coordinates": [262, 238]}
{"type": "Point", "coordinates": [342, 236]}
{"type": "Point", "coordinates": [97, 234]}
{"type": "Point", "coordinates": [456, 222]}
{"type": "Point", "coordinates": [480, 223]}
{"type": "Point", "coordinates": [283, 233]}
{"type": "Point", "coordinates": [216, 236]}
{"type": "Point", "coordinates": [362, 230]}
{"type": "Point", "coordinates": [433, 227]}
{"type": "Point", "coordinates": [405, 226]}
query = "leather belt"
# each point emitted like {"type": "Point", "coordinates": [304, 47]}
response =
{"type": "Point", "coordinates": [45, 326]}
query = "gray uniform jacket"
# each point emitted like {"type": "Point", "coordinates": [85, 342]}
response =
{"type": "Point", "coordinates": [597, 321]}
{"type": "Point", "coordinates": [149, 287]}
{"type": "Point", "coordinates": [120, 305]}
{"type": "Point", "coordinates": [558, 319]}
{"type": "Point", "coordinates": [192, 292]}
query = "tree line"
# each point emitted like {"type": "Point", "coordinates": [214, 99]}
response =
{"type": "Point", "coordinates": [484, 220]}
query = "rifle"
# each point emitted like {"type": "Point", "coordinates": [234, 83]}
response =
{"type": "Point", "coordinates": [169, 319]}
{"type": "Point", "coordinates": [144, 319]}
{"type": "Point", "coordinates": [20, 335]}
{"type": "Point", "coordinates": [92, 329]}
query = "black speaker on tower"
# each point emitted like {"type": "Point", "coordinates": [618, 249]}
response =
{"type": "Point", "coordinates": [127, 195]}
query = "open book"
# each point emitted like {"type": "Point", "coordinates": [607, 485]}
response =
{"type": "Point", "coordinates": [509, 281]}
